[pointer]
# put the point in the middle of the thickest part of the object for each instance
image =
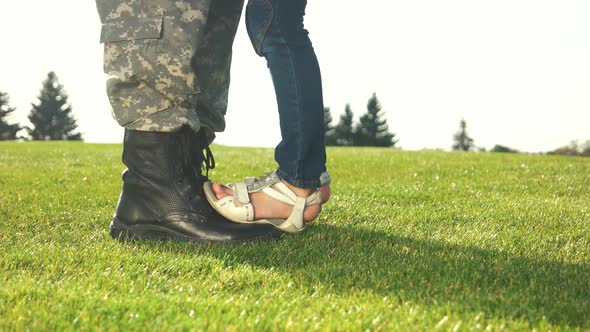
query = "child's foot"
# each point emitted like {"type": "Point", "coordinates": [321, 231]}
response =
{"type": "Point", "coordinates": [266, 207]}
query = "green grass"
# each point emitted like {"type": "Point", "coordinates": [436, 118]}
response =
{"type": "Point", "coordinates": [409, 241]}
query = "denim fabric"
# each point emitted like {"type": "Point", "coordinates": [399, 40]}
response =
{"type": "Point", "coordinates": [276, 30]}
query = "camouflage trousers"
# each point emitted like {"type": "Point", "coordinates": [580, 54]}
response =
{"type": "Point", "coordinates": [168, 61]}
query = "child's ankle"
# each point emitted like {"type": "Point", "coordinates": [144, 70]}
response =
{"type": "Point", "coordinates": [301, 192]}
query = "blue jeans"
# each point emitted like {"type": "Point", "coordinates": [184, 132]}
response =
{"type": "Point", "coordinates": [276, 30]}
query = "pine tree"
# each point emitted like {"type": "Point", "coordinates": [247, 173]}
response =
{"type": "Point", "coordinates": [372, 130]}
{"type": "Point", "coordinates": [7, 131]}
{"type": "Point", "coordinates": [330, 136]}
{"type": "Point", "coordinates": [462, 140]}
{"type": "Point", "coordinates": [52, 117]}
{"type": "Point", "coordinates": [343, 132]}
{"type": "Point", "coordinates": [503, 149]}
{"type": "Point", "coordinates": [585, 149]}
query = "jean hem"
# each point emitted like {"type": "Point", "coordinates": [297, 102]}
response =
{"type": "Point", "coordinates": [300, 183]}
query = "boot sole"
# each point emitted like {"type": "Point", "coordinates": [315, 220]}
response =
{"type": "Point", "coordinates": [118, 230]}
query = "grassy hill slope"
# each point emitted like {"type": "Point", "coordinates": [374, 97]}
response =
{"type": "Point", "coordinates": [409, 241]}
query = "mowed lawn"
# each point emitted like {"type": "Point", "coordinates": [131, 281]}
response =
{"type": "Point", "coordinates": [410, 240]}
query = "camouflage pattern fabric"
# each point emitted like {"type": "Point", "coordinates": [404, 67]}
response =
{"type": "Point", "coordinates": [168, 61]}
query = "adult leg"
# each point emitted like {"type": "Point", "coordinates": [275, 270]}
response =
{"type": "Point", "coordinates": [212, 62]}
{"type": "Point", "coordinates": [153, 91]}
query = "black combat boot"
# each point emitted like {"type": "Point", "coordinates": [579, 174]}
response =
{"type": "Point", "coordinates": [162, 194]}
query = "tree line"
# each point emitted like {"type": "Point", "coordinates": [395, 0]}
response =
{"type": "Point", "coordinates": [371, 130]}
{"type": "Point", "coordinates": [51, 117]}
{"type": "Point", "coordinates": [462, 141]}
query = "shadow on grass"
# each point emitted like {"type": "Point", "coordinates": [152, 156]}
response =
{"type": "Point", "coordinates": [346, 259]}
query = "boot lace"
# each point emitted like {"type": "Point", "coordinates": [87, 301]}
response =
{"type": "Point", "coordinates": [196, 156]}
{"type": "Point", "coordinates": [208, 161]}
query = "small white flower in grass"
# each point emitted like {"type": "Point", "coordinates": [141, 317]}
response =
{"type": "Point", "coordinates": [479, 316]}
{"type": "Point", "coordinates": [192, 313]}
{"type": "Point", "coordinates": [442, 322]}
{"type": "Point", "coordinates": [376, 320]}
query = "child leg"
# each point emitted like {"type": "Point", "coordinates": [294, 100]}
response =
{"type": "Point", "coordinates": [277, 33]}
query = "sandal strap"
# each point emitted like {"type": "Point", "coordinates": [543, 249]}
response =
{"type": "Point", "coordinates": [257, 184]}
{"type": "Point", "coordinates": [280, 194]}
{"type": "Point", "coordinates": [272, 185]}
{"type": "Point", "coordinates": [296, 217]}
{"type": "Point", "coordinates": [241, 192]}
{"type": "Point", "coordinates": [315, 198]}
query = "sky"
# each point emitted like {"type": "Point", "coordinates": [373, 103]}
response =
{"type": "Point", "coordinates": [517, 71]}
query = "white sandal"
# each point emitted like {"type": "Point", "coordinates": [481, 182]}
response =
{"type": "Point", "coordinates": [238, 208]}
